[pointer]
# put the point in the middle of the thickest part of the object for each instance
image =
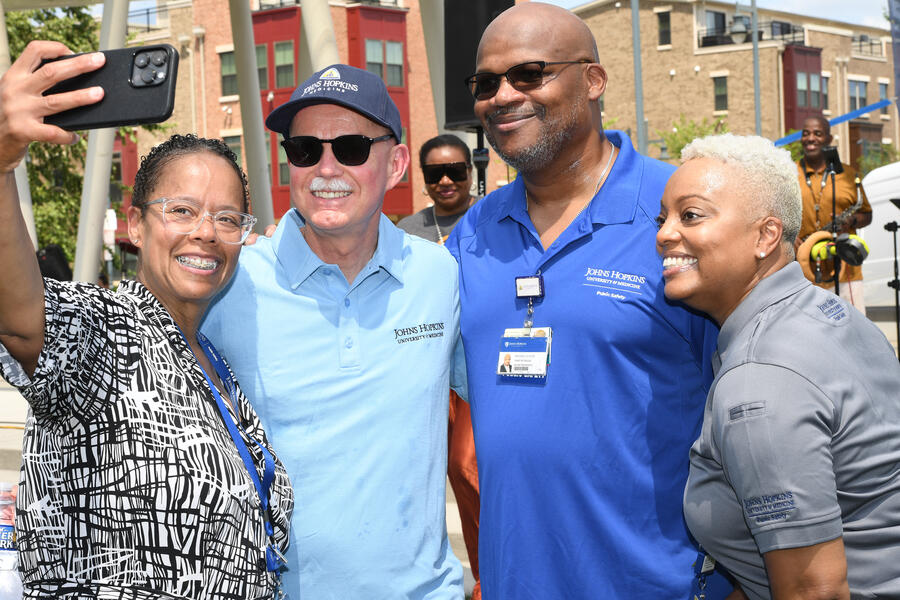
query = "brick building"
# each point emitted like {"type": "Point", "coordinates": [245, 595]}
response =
{"type": "Point", "coordinates": [697, 60]}
{"type": "Point", "coordinates": [383, 36]}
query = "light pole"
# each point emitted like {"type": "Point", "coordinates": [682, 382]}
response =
{"type": "Point", "coordinates": [738, 31]}
{"type": "Point", "coordinates": [638, 78]}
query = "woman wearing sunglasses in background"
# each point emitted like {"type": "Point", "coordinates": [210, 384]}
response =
{"type": "Point", "coordinates": [447, 169]}
{"type": "Point", "coordinates": [146, 473]}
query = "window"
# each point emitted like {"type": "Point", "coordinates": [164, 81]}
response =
{"type": "Point", "coordinates": [802, 91]}
{"type": "Point", "coordinates": [720, 89]}
{"type": "Point", "coordinates": [284, 171]}
{"type": "Point", "coordinates": [781, 29]}
{"type": "Point", "coordinates": [882, 95]}
{"type": "Point", "coordinates": [394, 61]}
{"type": "Point", "coordinates": [375, 57]}
{"type": "Point", "coordinates": [234, 143]}
{"type": "Point", "coordinates": [284, 64]}
{"type": "Point", "coordinates": [229, 74]}
{"type": "Point", "coordinates": [385, 59]}
{"type": "Point", "coordinates": [273, 139]}
{"type": "Point", "coordinates": [665, 28]}
{"type": "Point", "coordinates": [857, 94]}
{"type": "Point", "coordinates": [715, 22]}
{"type": "Point", "coordinates": [825, 92]}
{"type": "Point", "coordinates": [115, 181]}
{"type": "Point", "coordinates": [815, 90]}
{"type": "Point", "coordinates": [262, 66]}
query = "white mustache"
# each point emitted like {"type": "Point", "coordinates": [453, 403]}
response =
{"type": "Point", "coordinates": [320, 184]}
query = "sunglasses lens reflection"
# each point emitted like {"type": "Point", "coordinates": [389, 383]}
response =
{"type": "Point", "coordinates": [455, 171]}
{"type": "Point", "coordinates": [349, 150]}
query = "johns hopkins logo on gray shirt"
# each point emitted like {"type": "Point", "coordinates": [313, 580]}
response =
{"type": "Point", "coordinates": [612, 283]}
{"type": "Point", "coordinates": [833, 309]}
{"type": "Point", "coordinates": [418, 332]}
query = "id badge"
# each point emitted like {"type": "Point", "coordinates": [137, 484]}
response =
{"type": "Point", "coordinates": [530, 287]}
{"type": "Point", "coordinates": [525, 352]}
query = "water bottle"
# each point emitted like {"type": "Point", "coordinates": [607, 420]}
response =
{"type": "Point", "coordinates": [10, 582]}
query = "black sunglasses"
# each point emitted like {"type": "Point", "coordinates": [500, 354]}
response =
{"type": "Point", "coordinates": [350, 150]}
{"type": "Point", "coordinates": [526, 76]}
{"type": "Point", "coordinates": [457, 171]}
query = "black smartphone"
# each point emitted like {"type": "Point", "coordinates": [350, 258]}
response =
{"type": "Point", "coordinates": [139, 86]}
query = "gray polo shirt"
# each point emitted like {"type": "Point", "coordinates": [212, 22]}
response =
{"type": "Point", "coordinates": [801, 438]}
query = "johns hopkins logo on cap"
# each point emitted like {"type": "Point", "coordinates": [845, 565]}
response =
{"type": "Point", "coordinates": [329, 81]}
{"type": "Point", "coordinates": [356, 89]}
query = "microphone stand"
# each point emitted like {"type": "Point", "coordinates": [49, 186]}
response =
{"type": "Point", "coordinates": [830, 170]}
{"type": "Point", "coordinates": [481, 158]}
{"type": "Point", "coordinates": [895, 283]}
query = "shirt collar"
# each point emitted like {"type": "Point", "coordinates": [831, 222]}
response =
{"type": "Point", "coordinates": [785, 282]}
{"type": "Point", "coordinates": [615, 202]}
{"type": "Point", "coordinates": [299, 261]}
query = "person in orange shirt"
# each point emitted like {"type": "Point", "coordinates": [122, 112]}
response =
{"type": "Point", "coordinates": [817, 209]}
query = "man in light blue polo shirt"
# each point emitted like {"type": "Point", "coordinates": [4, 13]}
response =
{"type": "Point", "coordinates": [582, 468]}
{"type": "Point", "coordinates": [342, 330]}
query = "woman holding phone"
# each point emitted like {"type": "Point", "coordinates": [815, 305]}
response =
{"type": "Point", "coordinates": [146, 473]}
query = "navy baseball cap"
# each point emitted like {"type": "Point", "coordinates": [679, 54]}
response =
{"type": "Point", "coordinates": [346, 86]}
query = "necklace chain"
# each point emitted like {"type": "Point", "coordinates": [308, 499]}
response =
{"type": "Point", "coordinates": [612, 154]}
{"type": "Point", "coordinates": [440, 235]}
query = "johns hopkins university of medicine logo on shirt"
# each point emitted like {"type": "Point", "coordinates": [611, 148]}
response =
{"type": "Point", "coordinates": [329, 81]}
{"type": "Point", "coordinates": [612, 283]}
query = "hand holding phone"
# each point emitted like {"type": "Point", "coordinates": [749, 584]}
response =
{"type": "Point", "coordinates": [23, 106]}
{"type": "Point", "coordinates": [139, 86]}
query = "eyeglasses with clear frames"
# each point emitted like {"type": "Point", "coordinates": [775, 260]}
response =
{"type": "Point", "coordinates": [184, 216]}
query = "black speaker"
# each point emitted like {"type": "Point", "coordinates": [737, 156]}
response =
{"type": "Point", "coordinates": [53, 263]}
{"type": "Point", "coordinates": [464, 22]}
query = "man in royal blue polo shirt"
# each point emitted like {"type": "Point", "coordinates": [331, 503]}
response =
{"type": "Point", "coordinates": [583, 448]}
{"type": "Point", "coordinates": [342, 330]}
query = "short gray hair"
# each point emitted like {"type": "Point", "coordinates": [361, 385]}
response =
{"type": "Point", "coordinates": [770, 173]}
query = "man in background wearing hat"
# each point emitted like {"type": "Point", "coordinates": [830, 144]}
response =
{"type": "Point", "coordinates": [343, 330]}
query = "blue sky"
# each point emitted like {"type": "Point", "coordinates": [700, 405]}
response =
{"type": "Point", "coordinates": [864, 12]}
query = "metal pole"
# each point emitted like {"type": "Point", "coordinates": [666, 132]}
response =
{"type": "Point", "coordinates": [251, 114]}
{"type": "Point", "coordinates": [753, 25]}
{"type": "Point", "coordinates": [433, 28]}
{"type": "Point", "coordinates": [318, 31]}
{"type": "Point", "coordinates": [638, 77]}
{"type": "Point", "coordinates": [97, 166]}
{"type": "Point", "coordinates": [21, 169]}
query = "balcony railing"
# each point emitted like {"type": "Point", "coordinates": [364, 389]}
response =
{"type": "Point", "coordinates": [270, 4]}
{"type": "Point", "coordinates": [146, 19]}
{"type": "Point", "coordinates": [863, 46]}
{"type": "Point", "coordinates": [772, 30]}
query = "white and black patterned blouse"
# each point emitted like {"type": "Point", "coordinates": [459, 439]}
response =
{"type": "Point", "coordinates": [131, 485]}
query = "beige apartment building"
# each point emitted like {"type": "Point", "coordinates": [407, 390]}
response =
{"type": "Point", "coordinates": [697, 60]}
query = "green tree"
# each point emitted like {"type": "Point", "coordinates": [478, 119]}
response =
{"type": "Point", "coordinates": [684, 131]}
{"type": "Point", "coordinates": [795, 148]}
{"type": "Point", "coordinates": [55, 173]}
{"type": "Point", "coordinates": [876, 155]}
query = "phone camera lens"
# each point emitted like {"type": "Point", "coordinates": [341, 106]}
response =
{"type": "Point", "coordinates": [141, 61]}
{"type": "Point", "coordinates": [148, 76]}
{"type": "Point", "coordinates": [159, 58]}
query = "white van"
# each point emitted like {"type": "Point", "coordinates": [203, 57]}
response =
{"type": "Point", "coordinates": [881, 185]}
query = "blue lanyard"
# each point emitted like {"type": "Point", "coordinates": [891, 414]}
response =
{"type": "Point", "coordinates": [275, 560]}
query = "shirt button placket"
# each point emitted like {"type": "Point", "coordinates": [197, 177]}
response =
{"type": "Point", "coordinates": [348, 333]}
